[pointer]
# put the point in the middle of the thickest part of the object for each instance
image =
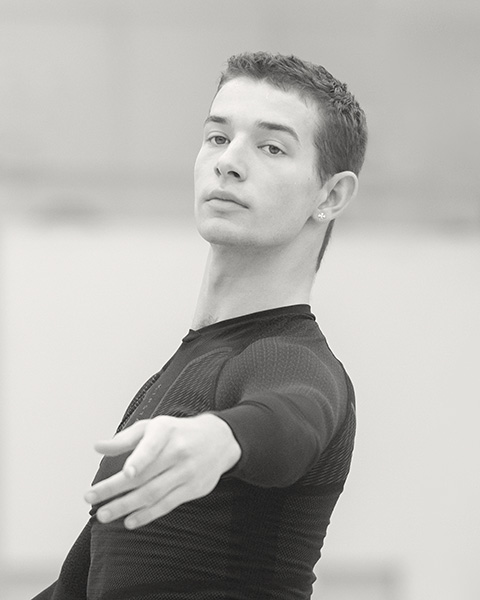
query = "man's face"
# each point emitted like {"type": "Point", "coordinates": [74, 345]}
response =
{"type": "Point", "coordinates": [256, 182]}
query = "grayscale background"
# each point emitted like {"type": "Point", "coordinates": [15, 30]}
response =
{"type": "Point", "coordinates": [101, 111]}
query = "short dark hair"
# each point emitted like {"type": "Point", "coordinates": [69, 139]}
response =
{"type": "Point", "coordinates": [341, 133]}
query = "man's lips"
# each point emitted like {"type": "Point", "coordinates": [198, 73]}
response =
{"type": "Point", "coordinates": [226, 197]}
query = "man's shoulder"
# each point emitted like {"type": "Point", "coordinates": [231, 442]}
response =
{"type": "Point", "coordinates": [295, 328]}
{"type": "Point", "coordinates": [290, 350]}
{"type": "Point", "coordinates": [290, 335]}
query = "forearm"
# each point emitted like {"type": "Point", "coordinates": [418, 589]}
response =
{"type": "Point", "coordinates": [280, 438]}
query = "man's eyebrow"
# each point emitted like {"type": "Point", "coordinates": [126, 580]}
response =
{"type": "Point", "coordinates": [278, 127]}
{"type": "Point", "coordinates": [217, 119]}
{"type": "Point", "coordinates": [260, 124]}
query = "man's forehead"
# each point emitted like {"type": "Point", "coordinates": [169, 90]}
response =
{"type": "Point", "coordinates": [261, 102]}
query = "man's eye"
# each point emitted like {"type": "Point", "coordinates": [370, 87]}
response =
{"type": "Point", "coordinates": [273, 150]}
{"type": "Point", "coordinates": [218, 140]}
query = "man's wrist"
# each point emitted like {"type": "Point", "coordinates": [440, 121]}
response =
{"type": "Point", "coordinates": [230, 448]}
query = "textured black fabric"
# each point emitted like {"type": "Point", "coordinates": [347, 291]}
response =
{"type": "Point", "coordinates": [272, 377]}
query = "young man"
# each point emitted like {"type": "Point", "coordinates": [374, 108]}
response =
{"type": "Point", "coordinates": [226, 467]}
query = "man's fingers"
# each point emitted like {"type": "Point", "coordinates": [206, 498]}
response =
{"type": "Point", "coordinates": [145, 496]}
{"type": "Point", "coordinates": [108, 488]}
{"type": "Point", "coordinates": [147, 439]}
{"type": "Point", "coordinates": [116, 485]}
{"type": "Point", "coordinates": [154, 499]}
{"type": "Point", "coordinates": [166, 504]}
{"type": "Point", "coordinates": [146, 451]}
{"type": "Point", "coordinates": [123, 441]}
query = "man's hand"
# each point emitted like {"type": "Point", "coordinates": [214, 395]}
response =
{"type": "Point", "coordinates": [174, 460]}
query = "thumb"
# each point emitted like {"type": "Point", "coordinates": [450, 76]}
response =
{"type": "Point", "coordinates": [123, 441]}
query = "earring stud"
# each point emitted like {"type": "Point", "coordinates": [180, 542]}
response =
{"type": "Point", "coordinates": [322, 216]}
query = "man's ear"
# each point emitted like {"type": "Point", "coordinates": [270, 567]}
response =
{"type": "Point", "coordinates": [336, 194]}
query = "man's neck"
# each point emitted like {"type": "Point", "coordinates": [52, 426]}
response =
{"type": "Point", "coordinates": [237, 283]}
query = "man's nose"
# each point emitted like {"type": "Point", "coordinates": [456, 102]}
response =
{"type": "Point", "coordinates": [231, 163]}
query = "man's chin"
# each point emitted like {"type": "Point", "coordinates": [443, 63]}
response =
{"type": "Point", "coordinates": [222, 233]}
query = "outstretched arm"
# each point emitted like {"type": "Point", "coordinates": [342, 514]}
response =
{"type": "Point", "coordinates": [173, 460]}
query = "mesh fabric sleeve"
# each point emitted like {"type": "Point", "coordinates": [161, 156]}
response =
{"type": "Point", "coordinates": [288, 404]}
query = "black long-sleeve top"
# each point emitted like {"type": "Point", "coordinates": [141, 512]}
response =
{"type": "Point", "coordinates": [272, 377]}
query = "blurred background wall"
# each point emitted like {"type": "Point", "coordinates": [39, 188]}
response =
{"type": "Point", "coordinates": [101, 111]}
